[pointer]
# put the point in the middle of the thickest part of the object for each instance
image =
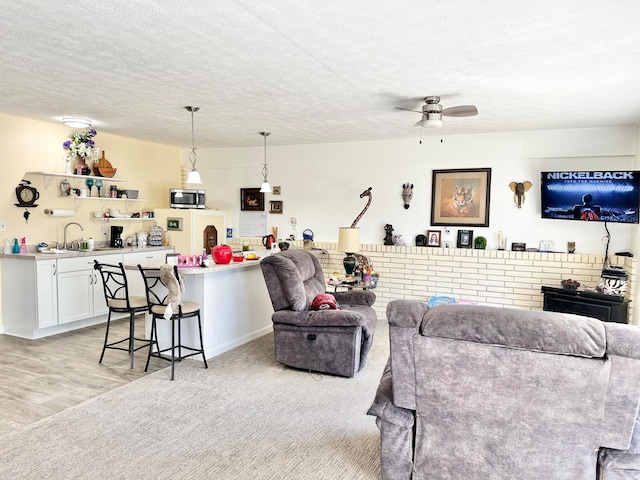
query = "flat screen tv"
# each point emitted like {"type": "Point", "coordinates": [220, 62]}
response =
{"type": "Point", "coordinates": [602, 196]}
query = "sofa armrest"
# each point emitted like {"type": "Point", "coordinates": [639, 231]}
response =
{"type": "Point", "coordinates": [396, 431]}
{"type": "Point", "coordinates": [355, 297]}
{"type": "Point", "coordinates": [405, 317]}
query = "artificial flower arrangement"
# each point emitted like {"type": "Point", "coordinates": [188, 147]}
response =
{"type": "Point", "coordinates": [82, 144]}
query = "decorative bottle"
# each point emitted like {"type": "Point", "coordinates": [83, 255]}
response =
{"type": "Point", "coordinates": [23, 245]}
{"type": "Point", "coordinates": [16, 246]}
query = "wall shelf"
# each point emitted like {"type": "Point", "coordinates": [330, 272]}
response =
{"type": "Point", "coordinates": [73, 175]}
{"type": "Point", "coordinates": [108, 199]}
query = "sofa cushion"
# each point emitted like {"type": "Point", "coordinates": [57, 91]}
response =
{"type": "Point", "coordinates": [549, 332]}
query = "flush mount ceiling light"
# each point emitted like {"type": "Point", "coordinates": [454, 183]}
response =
{"type": "Point", "coordinates": [194, 175]}
{"type": "Point", "coordinates": [265, 188]}
{"type": "Point", "coordinates": [76, 122]}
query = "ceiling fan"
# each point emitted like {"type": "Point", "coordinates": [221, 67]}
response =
{"type": "Point", "coordinates": [432, 112]}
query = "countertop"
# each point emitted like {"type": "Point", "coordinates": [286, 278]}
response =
{"type": "Point", "coordinates": [76, 253]}
{"type": "Point", "coordinates": [214, 267]}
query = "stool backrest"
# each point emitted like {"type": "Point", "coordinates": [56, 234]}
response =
{"type": "Point", "coordinates": [114, 282]}
{"type": "Point", "coordinates": [162, 286]}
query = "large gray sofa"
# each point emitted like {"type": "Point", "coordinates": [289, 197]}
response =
{"type": "Point", "coordinates": [474, 392]}
{"type": "Point", "coordinates": [329, 341]}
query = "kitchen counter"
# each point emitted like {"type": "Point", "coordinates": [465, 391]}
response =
{"type": "Point", "coordinates": [80, 253]}
{"type": "Point", "coordinates": [235, 306]}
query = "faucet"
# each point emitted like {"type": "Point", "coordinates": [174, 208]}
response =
{"type": "Point", "coordinates": [64, 245]}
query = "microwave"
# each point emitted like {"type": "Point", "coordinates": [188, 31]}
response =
{"type": "Point", "coordinates": [186, 198]}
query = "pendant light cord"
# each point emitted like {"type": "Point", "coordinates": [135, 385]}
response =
{"type": "Point", "coordinates": [265, 171]}
{"type": "Point", "coordinates": [192, 155]}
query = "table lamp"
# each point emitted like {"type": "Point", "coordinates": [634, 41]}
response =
{"type": "Point", "coordinates": [349, 243]}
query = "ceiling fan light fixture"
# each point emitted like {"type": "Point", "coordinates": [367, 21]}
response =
{"type": "Point", "coordinates": [431, 120]}
{"type": "Point", "coordinates": [194, 175]}
{"type": "Point", "coordinates": [76, 122]}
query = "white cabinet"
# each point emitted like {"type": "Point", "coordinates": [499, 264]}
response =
{"type": "Point", "coordinates": [80, 290]}
{"type": "Point", "coordinates": [47, 293]}
{"type": "Point", "coordinates": [29, 299]}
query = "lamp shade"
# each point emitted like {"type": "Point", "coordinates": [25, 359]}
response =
{"type": "Point", "coordinates": [265, 188]}
{"type": "Point", "coordinates": [349, 240]}
{"type": "Point", "coordinates": [194, 177]}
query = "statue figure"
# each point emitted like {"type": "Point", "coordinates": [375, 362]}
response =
{"type": "Point", "coordinates": [388, 238]}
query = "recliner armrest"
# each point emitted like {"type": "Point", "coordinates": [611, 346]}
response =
{"type": "Point", "coordinates": [355, 297]}
{"type": "Point", "coordinates": [322, 318]}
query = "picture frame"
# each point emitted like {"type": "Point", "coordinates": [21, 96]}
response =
{"type": "Point", "coordinates": [518, 247]}
{"type": "Point", "coordinates": [174, 223]}
{"type": "Point", "coordinates": [434, 238]}
{"type": "Point", "coordinates": [461, 197]}
{"type": "Point", "coordinates": [465, 239]}
{"type": "Point", "coordinates": [251, 200]}
{"type": "Point", "coordinates": [275, 206]}
{"type": "Point", "coordinates": [276, 190]}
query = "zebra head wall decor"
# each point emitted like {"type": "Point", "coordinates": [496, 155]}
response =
{"type": "Point", "coordinates": [407, 194]}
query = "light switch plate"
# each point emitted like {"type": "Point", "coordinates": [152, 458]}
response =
{"type": "Point", "coordinates": [3, 226]}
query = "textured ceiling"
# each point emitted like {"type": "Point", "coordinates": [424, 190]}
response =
{"type": "Point", "coordinates": [329, 71]}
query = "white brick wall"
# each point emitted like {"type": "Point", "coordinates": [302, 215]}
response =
{"type": "Point", "coordinates": [488, 277]}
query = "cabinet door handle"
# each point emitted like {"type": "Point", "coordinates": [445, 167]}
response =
{"type": "Point", "coordinates": [54, 270]}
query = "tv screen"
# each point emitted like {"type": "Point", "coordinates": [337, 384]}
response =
{"type": "Point", "coordinates": [602, 196]}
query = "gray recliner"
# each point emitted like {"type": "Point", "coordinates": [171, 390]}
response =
{"type": "Point", "coordinates": [329, 341]}
{"type": "Point", "coordinates": [496, 393]}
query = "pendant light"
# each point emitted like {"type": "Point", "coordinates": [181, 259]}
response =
{"type": "Point", "coordinates": [194, 175]}
{"type": "Point", "coordinates": [265, 188]}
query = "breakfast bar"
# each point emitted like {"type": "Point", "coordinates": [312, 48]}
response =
{"type": "Point", "coordinates": [234, 305]}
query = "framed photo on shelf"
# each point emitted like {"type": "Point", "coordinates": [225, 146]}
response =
{"type": "Point", "coordinates": [465, 239]}
{"type": "Point", "coordinates": [251, 200]}
{"type": "Point", "coordinates": [275, 206]}
{"type": "Point", "coordinates": [461, 197]}
{"type": "Point", "coordinates": [434, 238]}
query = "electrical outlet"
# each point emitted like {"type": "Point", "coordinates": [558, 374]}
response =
{"type": "Point", "coordinates": [294, 221]}
{"type": "Point", "coordinates": [3, 226]}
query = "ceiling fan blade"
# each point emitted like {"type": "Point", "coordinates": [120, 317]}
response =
{"type": "Point", "coordinates": [418, 123]}
{"type": "Point", "coordinates": [460, 111]}
{"type": "Point", "coordinates": [407, 109]}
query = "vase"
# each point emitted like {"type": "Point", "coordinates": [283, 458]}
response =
{"type": "Point", "coordinates": [82, 168]}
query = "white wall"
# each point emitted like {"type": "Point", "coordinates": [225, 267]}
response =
{"type": "Point", "coordinates": [321, 183]}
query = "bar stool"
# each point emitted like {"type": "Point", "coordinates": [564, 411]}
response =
{"type": "Point", "coordinates": [116, 294]}
{"type": "Point", "coordinates": [163, 286]}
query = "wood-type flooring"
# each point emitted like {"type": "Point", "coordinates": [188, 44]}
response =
{"type": "Point", "coordinates": [41, 377]}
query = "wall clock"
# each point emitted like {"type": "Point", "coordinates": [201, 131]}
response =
{"type": "Point", "coordinates": [26, 194]}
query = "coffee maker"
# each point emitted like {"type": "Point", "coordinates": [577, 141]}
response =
{"type": "Point", "coordinates": [116, 237]}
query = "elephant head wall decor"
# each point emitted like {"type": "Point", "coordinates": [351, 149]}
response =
{"type": "Point", "coordinates": [519, 189]}
{"type": "Point", "coordinates": [407, 194]}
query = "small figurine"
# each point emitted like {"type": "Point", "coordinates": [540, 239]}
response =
{"type": "Point", "coordinates": [388, 238]}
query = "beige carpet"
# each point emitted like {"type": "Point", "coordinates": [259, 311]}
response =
{"type": "Point", "coordinates": [246, 417]}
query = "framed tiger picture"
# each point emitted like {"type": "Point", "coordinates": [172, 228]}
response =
{"type": "Point", "coordinates": [461, 197]}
